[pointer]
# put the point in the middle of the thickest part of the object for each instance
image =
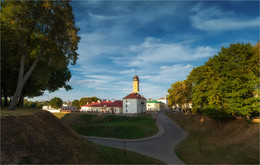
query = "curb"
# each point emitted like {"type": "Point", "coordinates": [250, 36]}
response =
{"type": "Point", "coordinates": [159, 134]}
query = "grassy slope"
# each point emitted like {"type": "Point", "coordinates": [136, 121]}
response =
{"type": "Point", "coordinates": [41, 138]}
{"type": "Point", "coordinates": [113, 126]}
{"type": "Point", "coordinates": [19, 111]}
{"type": "Point", "coordinates": [236, 143]}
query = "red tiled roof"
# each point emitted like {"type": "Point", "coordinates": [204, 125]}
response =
{"type": "Point", "coordinates": [117, 103]}
{"type": "Point", "coordinates": [134, 96]}
{"type": "Point", "coordinates": [97, 104]}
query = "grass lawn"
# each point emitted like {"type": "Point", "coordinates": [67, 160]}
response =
{"type": "Point", "coordinates": [113, 126]}
{"type": "Point", "coordinates": [116, 156]}
{"type": "Point", "coordinates": [236, 143]}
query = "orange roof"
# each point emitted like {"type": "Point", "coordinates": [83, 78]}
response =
{"type": "Point", "coordinates": [98, 104]}
{"type": "Point", "coordinates": [134, 96]}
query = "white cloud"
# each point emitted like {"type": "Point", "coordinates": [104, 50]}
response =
{"type": "Point", "coordinates": [170, 74]}
{"type": "Point", "coordinates": [95, 16]}
{"type": "Point", "coordinates": [153, 52]}
{"type": "Point", "coordinates": [215, 19]}
{"type": "Point", "coordinates": [130, 71]}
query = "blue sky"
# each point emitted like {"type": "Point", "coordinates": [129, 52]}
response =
{"type": "Point", "coordinates": [159, 41]}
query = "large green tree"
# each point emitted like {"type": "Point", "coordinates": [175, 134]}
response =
{"type": "Point", "coordinates": [38, 31]}
{"type": "Point", "coordinates": [180, 94]}
{"type": "Point", "coordinates": [76, 103]}
{"type": "Point", "coordinates": [56, 102]}
{"type": "Point", "coordinates": [227, 82]}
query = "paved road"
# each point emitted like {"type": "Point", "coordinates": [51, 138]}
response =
{"type": "Point", "coordinates": [161, 147]}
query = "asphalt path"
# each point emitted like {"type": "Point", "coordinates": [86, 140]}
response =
{"type": "Point", "coordinates": [160, 147]}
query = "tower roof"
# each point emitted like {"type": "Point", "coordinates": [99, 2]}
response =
{"type": "Point", "coordinates": [136, 77]}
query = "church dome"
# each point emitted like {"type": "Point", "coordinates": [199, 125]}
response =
{"type": "Point", "coordinates": [136, 77]}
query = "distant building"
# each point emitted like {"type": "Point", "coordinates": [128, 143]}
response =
{"type": "Point", "coordinates": [104, 107]}
{"type": "Point", "coordinates": [64, 108]}
{"type": "Point", "coordinates": [164, 102]}
{"type": "Point", "coordinates": [69, 108]}
{"type": "Point", "coordinates": [134, 102]}
{"type": "Point", "coordinates": [154, 105]}
{"type": "Point", "coordinates": [115, 107]}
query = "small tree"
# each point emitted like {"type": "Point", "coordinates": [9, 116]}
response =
{"type": "Point", "coordinates": [76, 103]}
{"type": "Point", "coordinates": [56, 102]}
{"type": "Point", "coordinates": [180, 94]}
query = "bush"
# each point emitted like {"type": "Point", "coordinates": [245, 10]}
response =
{"type": "Point", "coordinates": [32, 104]}
{"type": "Point", "coordinates": [215, 113]}
{"type": "Point", "coordinates": [39, 105]}
{"type": "Point", "coordinates": [26, 104]}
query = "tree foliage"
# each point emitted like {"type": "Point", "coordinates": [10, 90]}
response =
{"type": "Point", "coordinates": [180, 94]}
{"type": "Point", "coordinates": [227, 82]}
{"type": "Point", "coordinates": [85, 100]}
{"type": "Point", "coordinates": [56, 102]}
{"type": "Point", "coordinates": [76, 103]}
{"type": "Point", "coordinates": [39, 40]}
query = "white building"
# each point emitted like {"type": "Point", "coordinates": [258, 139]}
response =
{"type": "Point", "coordinates": [134, 102]}
{"type": "Point", "coordinates": [154, 105]}
{"type": "Point", "coordinates": [165, 104]}
{"type": "Point", "coordinates": [104, 107]}
{"type": "Point", "coordinates": [50, 109]}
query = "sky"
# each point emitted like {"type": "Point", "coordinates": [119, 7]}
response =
{"type": "Point", "coordinates": [161, 42]}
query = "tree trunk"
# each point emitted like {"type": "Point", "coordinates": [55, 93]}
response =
{"type": "Point", "coordinates": [21, 101]}
{"type": "Point", "coordinates": [22, 80]}
{"type": "Point", "coordinates": [1, 99]}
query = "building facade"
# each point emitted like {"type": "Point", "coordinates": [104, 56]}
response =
{"type": "Point", "coordinates": [154, 105]}
{"type": "Point", "coordinates": [164, 102]}
{"type": "Point", "coordinates": [134, 102]}
{"type": "Point", "coordinates": [104, 107]}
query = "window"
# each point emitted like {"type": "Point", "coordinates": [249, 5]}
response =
{"type": "Point", "coordinates": [126, 110]}
{"type": "Point", "coordinates": [126, 105]}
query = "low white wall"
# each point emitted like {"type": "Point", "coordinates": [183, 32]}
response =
{"type": "Point", "coordinates": [53, 110]}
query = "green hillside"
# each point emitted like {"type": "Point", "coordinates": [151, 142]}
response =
{"type": "Point", "coordinates": [225, 142]}
{"type": "Point", "coordinates": [41, 138]}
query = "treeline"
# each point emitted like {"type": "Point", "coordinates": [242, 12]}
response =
{"type": "Point", "coordinates": [226, 86]}
{"type": "Point", "coordinates": [57, 102]}
{"type": "Point", "coordinates": [34, 104]}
